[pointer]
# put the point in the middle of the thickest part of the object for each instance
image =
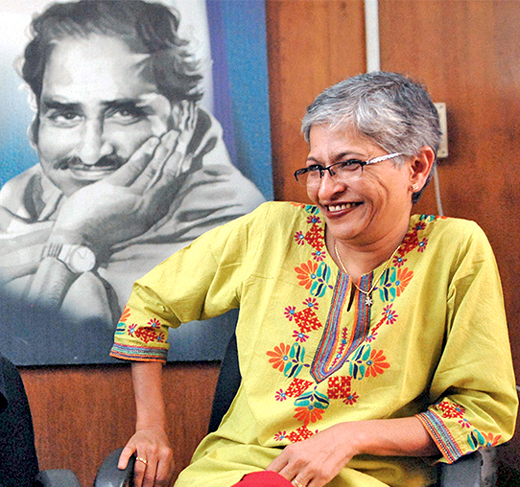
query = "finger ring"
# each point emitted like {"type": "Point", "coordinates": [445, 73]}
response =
{"type": "Point", "coordinates": [298, 484]}
{"type": "Point", "coordinates": [145, 461]}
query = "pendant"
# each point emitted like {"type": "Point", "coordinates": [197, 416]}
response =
{"type": "Point", "coordinates": [368, 301]}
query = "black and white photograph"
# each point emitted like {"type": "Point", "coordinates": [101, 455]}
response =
{"type": "Point", "coordinates": [122, 142]}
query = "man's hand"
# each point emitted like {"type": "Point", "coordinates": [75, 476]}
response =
{"type": "Point", "coordinates": [154, 466]}
{"type": "Point", "coordinates": [132, 199]}
{"type": "Point", "coordinates": [20, 255]}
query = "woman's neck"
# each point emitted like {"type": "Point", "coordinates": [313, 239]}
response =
{"type": "Point", "coordinates": [359, 259]}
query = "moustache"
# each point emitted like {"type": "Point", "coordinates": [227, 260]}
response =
{"type": "Point", "coordinates": [109, 161]}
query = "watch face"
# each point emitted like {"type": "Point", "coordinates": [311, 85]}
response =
{"type": "Point", "coordinates": [82, 259]}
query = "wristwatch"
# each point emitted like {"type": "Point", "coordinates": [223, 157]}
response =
{"type": "Point", "coordinates": [78, 258]}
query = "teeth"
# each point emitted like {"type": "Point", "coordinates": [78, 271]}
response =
{"type": "Point", "coordinates": [344, 206]}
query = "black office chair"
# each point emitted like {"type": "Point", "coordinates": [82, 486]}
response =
{"type": "Point", "coordinates": [465, 472]}
{"type": "Point", "coordinates": [18, 461]}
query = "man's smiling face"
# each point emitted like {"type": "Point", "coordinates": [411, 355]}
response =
{"type": "Point", "coordinates": [99, 103]}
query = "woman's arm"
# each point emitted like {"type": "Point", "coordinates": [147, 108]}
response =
{"type": "Point", "coordinates": [317, 460]}
{"type": "Point", "coordinates": [150, 441]}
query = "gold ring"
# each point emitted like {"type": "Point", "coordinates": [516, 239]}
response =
{"type": "Point", "coordinates": [298, 484]}
{"type": "Point", "coordinates": [145, 461]}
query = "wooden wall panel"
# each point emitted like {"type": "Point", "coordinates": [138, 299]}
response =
{"type": "Point", "coordinates": [82, 414]}
{"type": "Point", "coordinates": [475, 71]}
{"type": "Point", "coordinates": [312, 44]}
{"type": "Point", "coordinates": [468, 54]}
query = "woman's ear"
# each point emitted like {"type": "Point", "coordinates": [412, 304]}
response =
{"type": "Point", "coordinates": [421, 167]}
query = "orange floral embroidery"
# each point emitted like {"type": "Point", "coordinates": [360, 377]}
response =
{"type": "Point", "coordinates": [306, 273]}
{"type": "Point", "coordinates": [491, 440]}
{"type": "Point", "coordinates": [279, 356]}
{"type": "Point", "coordinates": [376, 363]}
{"type": "Point", "coordinates": [308, 414]}
{"type": "Point", "coordinates": [404, 276]}
{"type": "Point", "coordinates": [125, 315]}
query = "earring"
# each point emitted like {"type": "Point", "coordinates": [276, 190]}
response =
{"type": "Point", "coordinates": [415, 188]}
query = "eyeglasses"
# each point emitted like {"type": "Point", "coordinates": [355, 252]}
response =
{"type": "Point", "coordinates": [345, 171]}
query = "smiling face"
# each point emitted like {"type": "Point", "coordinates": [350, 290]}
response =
{"type": "Point", "coordinates": [99, 103]}
{"type": "Point", "coordinates": [371, 209]}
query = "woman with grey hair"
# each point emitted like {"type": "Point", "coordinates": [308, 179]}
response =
{"type": "Point", "coordinates": [366, 335]}
{"type": "Point", "coordinates": [395, 113]}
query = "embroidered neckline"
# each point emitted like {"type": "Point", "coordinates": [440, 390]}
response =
{"type": "Point", "coordinates": [337, 343]}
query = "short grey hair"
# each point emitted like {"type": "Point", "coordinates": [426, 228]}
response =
{"type": "Point", "coordinates": [388, 108]}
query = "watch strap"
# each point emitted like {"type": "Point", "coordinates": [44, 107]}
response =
{"type": "Point", "coordinates": [65, 254]}
{"type": "Point", "coordinates": [52, 250]}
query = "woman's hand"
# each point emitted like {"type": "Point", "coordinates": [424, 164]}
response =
{"type": "Point", "coordinates": [316, 461]}
{"type": "Point", "coordinates": [154, 466]}
{"type": "Point", "coordinates": [154, 458]}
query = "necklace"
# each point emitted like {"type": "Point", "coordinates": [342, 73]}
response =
{"type": "Point", "coordinates": [368, 300]}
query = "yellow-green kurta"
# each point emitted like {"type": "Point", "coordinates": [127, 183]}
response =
{"type": "Point", "coordinates": [433, 344]}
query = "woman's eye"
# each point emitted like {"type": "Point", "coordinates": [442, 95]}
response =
{"type": "Point", "coordinates": [315, 168]}
{"type": "Point", "coordinates": [350, 165]}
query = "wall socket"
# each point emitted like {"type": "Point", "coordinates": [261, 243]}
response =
{"type": "Point", "coordinates": [443, 148]}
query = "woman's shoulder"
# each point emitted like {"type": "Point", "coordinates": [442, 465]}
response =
{"type": "Point", "coordinates": [452, 230]}
{"type": "Point", "coordinates": [284, 213]}
{"type": "Point", "coordinates": [277, 223]}
{"type": "Point", "coordinates": [288, 208]}
{"type": "Point", "coordinates": [270, 220]}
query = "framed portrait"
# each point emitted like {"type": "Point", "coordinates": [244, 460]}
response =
{"type": "Point", "coordinates": [128, 129]}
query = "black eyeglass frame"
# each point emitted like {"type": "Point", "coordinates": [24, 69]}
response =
{"type": "Point", "coordinates": [350, 162]}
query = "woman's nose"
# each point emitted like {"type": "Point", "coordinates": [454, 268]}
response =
{"type": "Point", "coordinates": [330, 185]}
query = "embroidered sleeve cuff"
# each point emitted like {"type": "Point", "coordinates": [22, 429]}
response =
{"type": "Point", "coordinates": [139, 354]}
{"type": "Point", "coordinates": [441, 435]}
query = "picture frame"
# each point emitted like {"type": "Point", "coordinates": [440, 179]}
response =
{"type": "Point", "coordinates": [234, 66]}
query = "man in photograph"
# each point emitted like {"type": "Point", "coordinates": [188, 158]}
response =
{"type": "Point", "coordinates": [131, 167]}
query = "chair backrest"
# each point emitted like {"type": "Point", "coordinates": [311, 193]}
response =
{"type": "Point", "coordinates": [465, 472]}
{"type": "Point", "coordinates": [228, 382]}
{"type": "Point", "coordinates": [18, 461]}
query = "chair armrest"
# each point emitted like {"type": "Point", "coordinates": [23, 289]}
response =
{"type": "Point", "coordinates": [109, 474]}
{"type": "Point", "coordinates": [57, 478]}
{"type": "Point", "coordinates": [465, 472]}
